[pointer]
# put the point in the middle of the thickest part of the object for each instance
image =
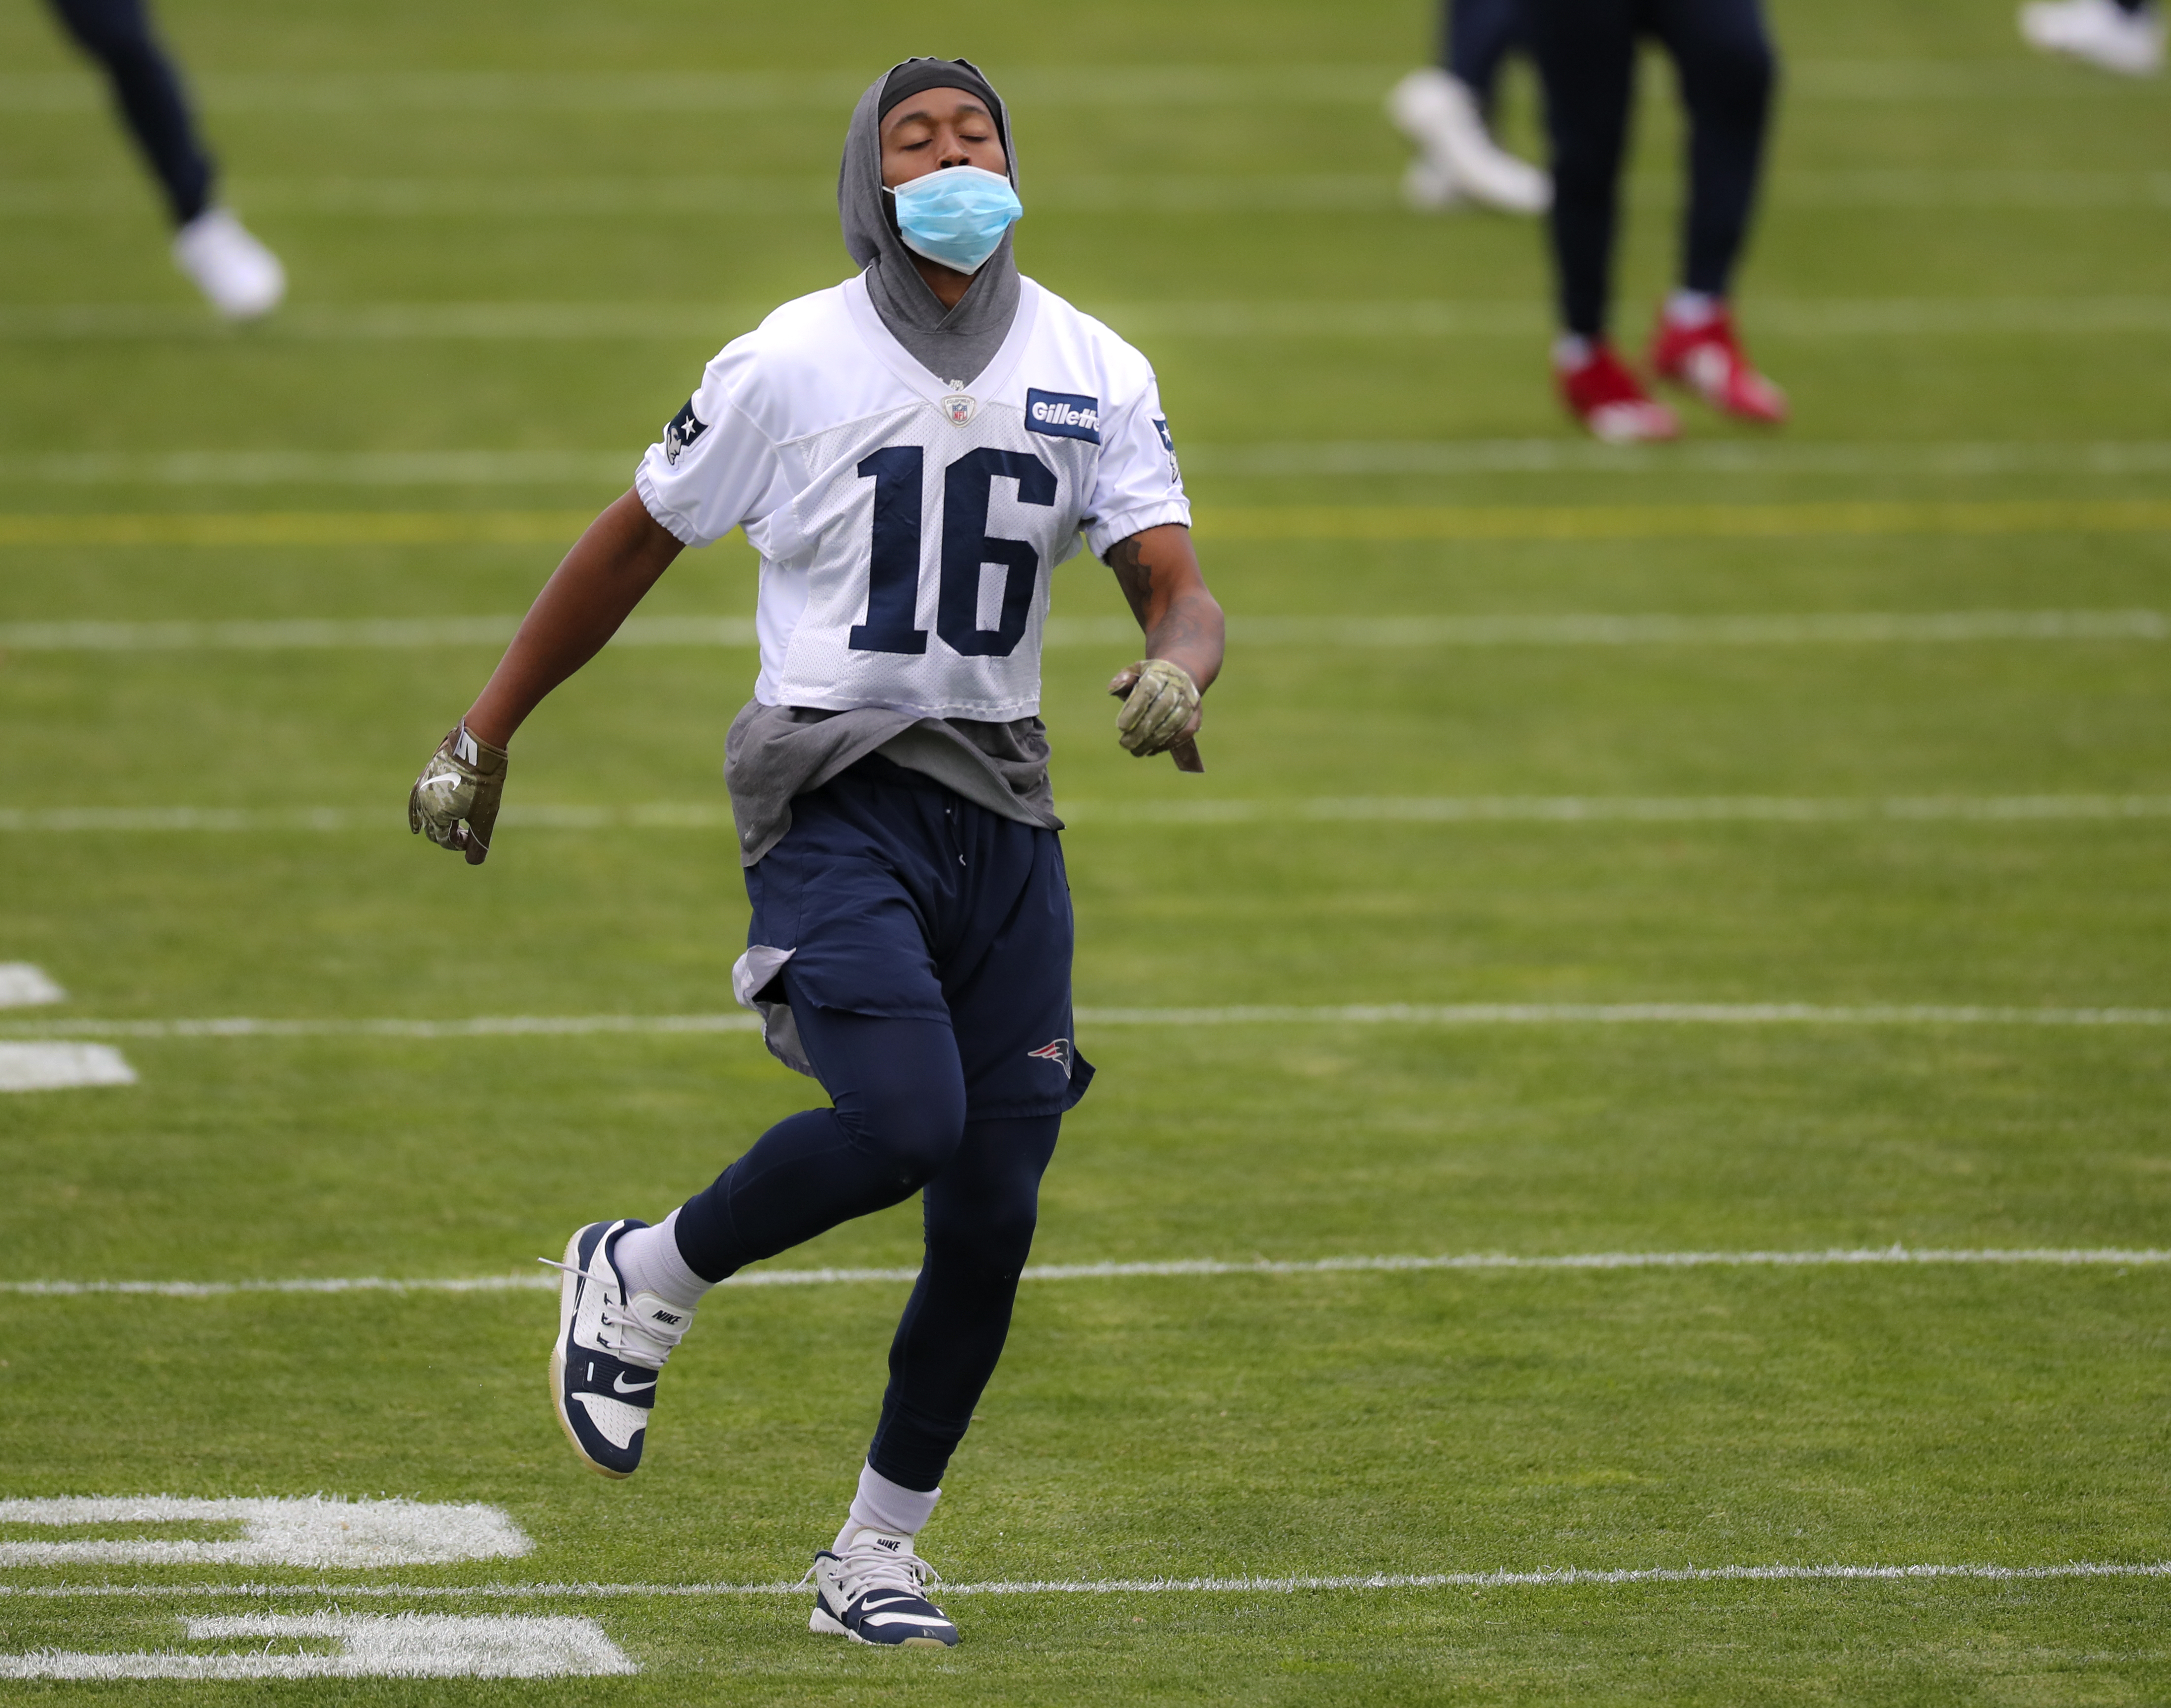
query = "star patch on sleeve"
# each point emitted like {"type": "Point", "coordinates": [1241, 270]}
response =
{"type": "Point", "coordinates": [685, 427]}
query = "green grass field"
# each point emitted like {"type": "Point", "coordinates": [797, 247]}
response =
{"type": "Point", "coordinates": [514, 234]}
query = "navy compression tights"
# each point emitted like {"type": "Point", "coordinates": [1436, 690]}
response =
{"type": "Point", "coordinates": [898, 1127]}
{"type": "Point", "coordinates": [1586, 55]}
{"type": "Point", "coordinates": [117, 34]}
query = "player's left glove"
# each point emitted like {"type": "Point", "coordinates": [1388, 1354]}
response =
{"type": "Point", "coordinates": [464, 780]}
{"type": "Point", "coordinates": [1161, 706]}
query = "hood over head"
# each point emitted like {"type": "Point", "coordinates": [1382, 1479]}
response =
{"type": "Point", "coordinates": [953, 344]}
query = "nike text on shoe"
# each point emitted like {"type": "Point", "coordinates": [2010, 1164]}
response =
{"type": "Point", "coordinates": [1605, 397]}
{"type": "Point", "coordinates": [241, 278]}
{"type": "Point", "coordinates": [875, 1592]}
{"type": "Point", "coordinates": [603, 1363]}
{"type": "Point", "coordinates": [1707, 360]}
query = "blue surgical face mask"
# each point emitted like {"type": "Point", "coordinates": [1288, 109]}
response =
{"type": "Point", "coordinates": [956, 216]}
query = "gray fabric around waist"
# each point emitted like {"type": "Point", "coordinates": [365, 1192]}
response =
{"type": "Point", "coordinates": [775, 753]}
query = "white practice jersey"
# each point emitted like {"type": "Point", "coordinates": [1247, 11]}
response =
{"type": "Point", "coordinates": [906, 529]}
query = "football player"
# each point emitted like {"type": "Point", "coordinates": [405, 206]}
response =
{"type": "Point", "coordinates": [239, 277]}
{"type": "Point", "coordinates": [1442, 109]}
{"type": "Point", "coordinates": [1586, 56]}
{"type": "Point", "coordinates": [911, 452]}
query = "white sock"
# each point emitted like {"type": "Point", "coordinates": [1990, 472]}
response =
{"type": "Point", "coordinates": [887, 1506]}
{"type": "Point", "coordinates": [648, 1262]}
{"type": "Point", "coordinates": [1689, 309]}
{"type": "Point", "coordinates": [1571, 351]}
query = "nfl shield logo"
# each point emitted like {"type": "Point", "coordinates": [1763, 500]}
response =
{"type": "Point", "coordinates": [960, 408]}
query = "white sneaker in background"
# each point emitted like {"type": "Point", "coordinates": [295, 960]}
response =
{"type": "Point", "coordinates": [1438, 113]}
{"type": "Point", "coordinates": [242, 279]}
{"type": "Point", "coordinates": [2098, 31]}
{"type": "Point", "coordinates": [1428, 188]}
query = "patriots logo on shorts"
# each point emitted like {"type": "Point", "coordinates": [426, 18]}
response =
{"type": "Point", "coordinates": [685, 427]}
{"type": "Point", "coordinates": [1059, 1052]}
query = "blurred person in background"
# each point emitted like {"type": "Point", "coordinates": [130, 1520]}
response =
{"type": "Point", "coordinates": [1727, 71]}
{"type": "Point", "coordinates": [2120, 35]}
{"type": "Point", "coordinates": [241, 278]}
{"type": "Point", "coordinates": [1444, 109]}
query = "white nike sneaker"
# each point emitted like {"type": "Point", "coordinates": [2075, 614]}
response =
{"type": "Point", "coordinates": [2098, 31]}
{"type": "Point", "coordinates": [242, 279]}
{"type": "Point", "coordinates": [604, 1362]}
{"type": "Point", "coordinates": [873, 1592]}
{"type": "Point", "coordinates": [1439, 114]}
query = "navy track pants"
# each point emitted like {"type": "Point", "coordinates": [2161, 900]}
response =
{"type": "Point", "coordinates": [148, 88]}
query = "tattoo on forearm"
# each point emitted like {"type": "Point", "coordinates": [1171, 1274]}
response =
{"type": "Point", "coordinates": [1133, 574]}
{"type": "Point", "coordinates": [1181, 628]}
{"type": "Point", "coordinates": [1178, 615]}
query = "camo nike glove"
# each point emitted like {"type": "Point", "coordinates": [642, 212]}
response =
{"type": "Point", "coordinates": [464, 780]}
{"type": "Point", "coordinates": [1160, 702]}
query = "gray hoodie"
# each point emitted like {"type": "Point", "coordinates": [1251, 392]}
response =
{"type": "Point", "coordinates": [776, 753]}
{"type": "Point", "coordinates": [949, 343]}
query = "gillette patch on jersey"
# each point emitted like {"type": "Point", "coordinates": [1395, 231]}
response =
{"type": "Point", "coordinates": [685, 427]}
{"type": "Point", "coordinates": [1063, 415]}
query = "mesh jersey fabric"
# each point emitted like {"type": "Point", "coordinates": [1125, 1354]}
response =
{"type": "Point", "coordinates": [908, 530]}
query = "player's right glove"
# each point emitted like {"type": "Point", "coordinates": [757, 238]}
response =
{"type": "Point", "coordinates": [454, 802]}
{"type": "Point", "coordinates": [1159, 701]}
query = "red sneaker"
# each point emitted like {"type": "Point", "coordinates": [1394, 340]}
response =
{"type": "Point", "coordinates": [1605, 397]}
{"type": "Point", "coordinates": [1708, 361]}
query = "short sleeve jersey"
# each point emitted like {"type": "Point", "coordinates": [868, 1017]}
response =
{"type": "Point", "coordinates": [907, 528]}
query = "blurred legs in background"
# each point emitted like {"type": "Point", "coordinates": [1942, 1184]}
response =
{"type": "Point", "coordinates": [2120, 35]}
{"type": "Point", "coordinates": [1443, 108]}
{"type": "Point", "coordinates": [240, 277]}
{"type": "Point", "coordinates": [1726, 70]}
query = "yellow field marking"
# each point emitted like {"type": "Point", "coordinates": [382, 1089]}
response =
{"type": "Point", "coordinates": [1660, 521]}
{"type": "Point", "coordinates": [1415, 522]}
{"type": "Point", "coordinates": [301, 528]}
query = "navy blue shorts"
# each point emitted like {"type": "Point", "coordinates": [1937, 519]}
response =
{"type": "Point", "coordinates": [898, 898]}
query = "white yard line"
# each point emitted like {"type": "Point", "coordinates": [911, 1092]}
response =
{"type": "Point", "coordinates": [1630, 628]}
{"type": "Point", "coordinates": [1411, 809]}
{"type": "Point", "coordinates": [361, 633]}
{"type": "Point", "coordinates": [1557, 1577]}
{"type": "Point", "coordinates": [370, 1645]}
{"type": "Point", "coordinates": [444, 467]}
{"type": "Point", "coordinates": [1625, 1014]}
{"type": "Point", "coordinates": [640, 95]}
{"type": "Point", "coordinates": [1659, 810]}
{"type": "Point", "coordinates": [713, 324]}
{"type": "Point", "coordinates": [61, 1066]}
{"type": "Point", "coordinates": [1586, 629]}
{"type": "Point", "coordinates": [22, 985]}
{"type": "Point", "coordinates": [2104, 1257]}
{"type": "Point", "coordinates": [522, 197]}
{"type": "Point", "coordinates": [484, 1026]}
{"type": "Point", "coordinates": [1445, 1014]}
{"type": "Point", "coordinates": [313, 1533]}
{"type": "Point", "coordinates": [1325, 459]}
{"type": "Point", "coordinates": [1320, 459]}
